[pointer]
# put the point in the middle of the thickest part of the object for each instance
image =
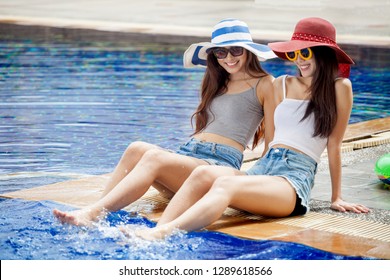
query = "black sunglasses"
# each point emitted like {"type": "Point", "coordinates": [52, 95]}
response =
{"type": "Point", "coordinates": [221, 53]}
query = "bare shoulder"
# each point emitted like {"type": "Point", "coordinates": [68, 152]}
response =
{"type": "Point", "coordinates": [278, 83]}
{"type": "Point", "coordinates": [344, 90]}
{"type": "Point", "coordinates": [278, 87]}
{"type": "Point", "coordinates": [343, 85]}
{"type": "Point", "coordinates": [267, 81]}
{"type": "Point", "coordinates": [265, 87]}
{"type": "Point", "coordinates": [344, 95]}
{"type": "Point", "coordinates": [278, 80]}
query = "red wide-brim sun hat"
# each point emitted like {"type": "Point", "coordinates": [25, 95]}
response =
{"type": "Point", "coordinates": [311, 32]}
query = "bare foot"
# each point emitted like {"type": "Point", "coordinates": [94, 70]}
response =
{"type": "Point", "coordinates": [131, 231]}
{"type": "Point", "coordinates": [127, 230]}
{"type": "Point", "coordinates": [83, 217]}
{"type": "Point", "coordinates": [151, 234]}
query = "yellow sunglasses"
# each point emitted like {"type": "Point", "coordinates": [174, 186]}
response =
{"type": "Point", "coordinates": [305, 54]}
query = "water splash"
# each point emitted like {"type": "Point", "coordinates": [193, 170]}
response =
{"type": "Point", "coordinates": [32, 233]}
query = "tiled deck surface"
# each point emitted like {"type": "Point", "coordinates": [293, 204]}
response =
{"type": "Point", "coordinates": [178, 21]}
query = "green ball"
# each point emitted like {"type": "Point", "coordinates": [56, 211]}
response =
{"type": "Point", "coordinates": [382, 168]}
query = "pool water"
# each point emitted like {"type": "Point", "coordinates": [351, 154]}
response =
{"type": "Point", "coordinates": [69, 110]}
{"type": "Point", "coordinates": [37, 235]}
{"type": "Point", "coordinates": [72, 108]}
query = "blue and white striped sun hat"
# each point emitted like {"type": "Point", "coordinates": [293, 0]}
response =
{"type": "Point", "coordinates": [228, 32]}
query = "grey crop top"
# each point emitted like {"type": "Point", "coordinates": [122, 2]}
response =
{"type": "Point", "coordinates": [235, 116]}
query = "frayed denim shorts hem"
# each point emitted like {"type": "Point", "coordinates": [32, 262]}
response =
{"type": "Point", "coordinates": [297, 168]}
{"type": "Point", "coordinates": [212, 153]}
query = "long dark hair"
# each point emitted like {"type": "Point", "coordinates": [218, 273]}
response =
{"type": "Point", "coordinates": [215, 81]}
{"type": "Point", "coordinates": [323, 92]}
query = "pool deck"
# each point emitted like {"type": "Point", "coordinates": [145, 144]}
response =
{"type": "Point", "coordinates": [190, 21]}
{"type": "Point", "coordinates": [343, 233]}
{"type": "Point", "coordinates": [357, 22]}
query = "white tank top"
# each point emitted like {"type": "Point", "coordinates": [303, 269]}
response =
{"type": "Point", "coordinates": [291, 131]}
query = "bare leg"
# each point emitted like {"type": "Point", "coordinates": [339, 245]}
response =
{"type": "Point", "coordinates": [128, 161]}
{"type": "Point", "coordinates": [156, 165]}
{"type": "Point", "coordinates": [163, 190]}
{"type": "Point", "coordinates": [262, 195]}
{"type": "Point", "coordinates": [193, 189]}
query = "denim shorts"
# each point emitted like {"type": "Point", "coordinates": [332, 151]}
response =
{"type": "Point", "coordinates": [298, 169]}
{"type": "Point", "coordinates": [212, 153]}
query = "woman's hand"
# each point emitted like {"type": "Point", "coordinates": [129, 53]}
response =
{"type": "Point", "coordinates": [343, 206]}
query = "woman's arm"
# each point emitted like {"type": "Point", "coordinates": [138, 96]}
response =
{"type": "Point", "coordinates": [344, 101]}
{"type": "Point", "coordinates": [265, 94]}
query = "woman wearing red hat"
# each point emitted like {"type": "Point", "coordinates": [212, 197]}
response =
{"type": "Point", "coordinates": [312, 114]}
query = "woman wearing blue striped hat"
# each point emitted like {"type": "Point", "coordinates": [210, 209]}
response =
{"type": "Point", "coordinates": [236, 106]}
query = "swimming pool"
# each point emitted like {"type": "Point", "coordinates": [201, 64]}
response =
{"type": "Point", "coordinates": [71, 109]}
{"type": "Point", "coordinates": [36, 235]}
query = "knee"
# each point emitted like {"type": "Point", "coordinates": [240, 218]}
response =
{"type": "Point", "coordinates": [223, 184]}
{"type": "Point", "coordinates": [136, 150]}
{"type": "Point", "coordinates": [156, 157]}
{"type": "Point", "coordinates": [137, 147]}
{"type": "Point", "coordinates": [204, 174]}
{"type": "Point", "coordinates": [222, 188]}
